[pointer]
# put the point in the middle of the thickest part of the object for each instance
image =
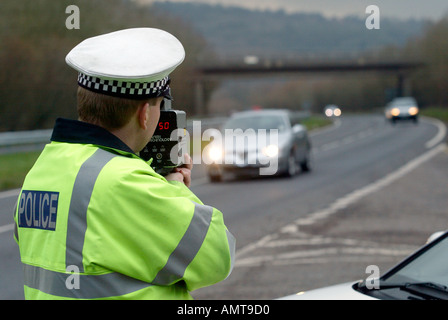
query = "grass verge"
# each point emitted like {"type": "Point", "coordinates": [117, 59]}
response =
{"type": "Point", "coordinates": [14, 167]}
{"type": "Point", "coordinates": [434, 112]}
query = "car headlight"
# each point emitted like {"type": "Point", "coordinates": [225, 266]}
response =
{"type": "Point", "coordinates": [395, 112]}
{"type": "Point", "coordinates": [270, 151]}
{"type": "Point", "coordinates": [413, 111]}
{"type": "Point", "coordinates": [337, 112]}
{"type": "Point", "coordinates": [215, 154]}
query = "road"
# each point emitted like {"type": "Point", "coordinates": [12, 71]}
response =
{"type": "Point", "coordinates": [281, 224]}
{"type": "Point", "coordinates": [289, 230]}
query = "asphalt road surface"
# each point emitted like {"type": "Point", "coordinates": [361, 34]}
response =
{"type": "Point", "coordinates": [375, 193]}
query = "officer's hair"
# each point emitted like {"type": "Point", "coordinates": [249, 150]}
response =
{"type": "Point", "coordinates": [106, 111]}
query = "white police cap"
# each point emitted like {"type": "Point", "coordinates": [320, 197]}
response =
{"type": "Point", "coordinates": [132, 63]}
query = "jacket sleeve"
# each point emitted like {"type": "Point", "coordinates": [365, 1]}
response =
{"type": "Point", "coordinates": [205, 254]}
{"type": "Point", "coordinates": [158, 232]}
{"type": "Point", "coordinates": [214, 260]}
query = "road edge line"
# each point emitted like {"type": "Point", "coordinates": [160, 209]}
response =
{"type": "Point", "coordinates": [348, 199]}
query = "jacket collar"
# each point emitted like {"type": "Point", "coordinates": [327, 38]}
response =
{"type": "Point", "coordinates": [73, 131]}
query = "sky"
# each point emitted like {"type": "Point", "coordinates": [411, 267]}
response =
{"type": "Point", "coordinates": [401, 9]}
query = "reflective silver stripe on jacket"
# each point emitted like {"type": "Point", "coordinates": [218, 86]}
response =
{"type": "Point", "coordinates": [77, 214]}
{"type": "Point", "coordinates": [90, 286]}
{"type": "Point", "coordinates": [112, 284]}
{"type": "Point", "coordinates": [187, 248]}
{"type": "Point", "coordinates": [232, 247]}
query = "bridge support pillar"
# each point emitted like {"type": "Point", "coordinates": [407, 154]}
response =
{"type": "Point", "coordinates": [404, 87]}
{"type": "Point", "coordinates": [199, 107]}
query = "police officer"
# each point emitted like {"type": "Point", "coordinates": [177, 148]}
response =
{"type": "Point", "coordinates": [95, 221]}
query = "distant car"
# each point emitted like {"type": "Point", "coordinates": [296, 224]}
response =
{"type": "Point", "coordinates": [421, 276]}
{"type": "Point", "coordinates": [290, 150]}
{"type": "Point", "coordinates": [332, 110]}
{"type": "Point", "coordinates": [405, 108]}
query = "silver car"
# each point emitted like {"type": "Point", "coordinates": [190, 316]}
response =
{"type": "Point", "coordinates": [404, 108]}
{"type": "Point", "coordinates": [421, 276]}
{"type": "Point", "coordinates": [255, 141]}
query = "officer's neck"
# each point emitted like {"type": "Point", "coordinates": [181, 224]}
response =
{"type": "Point", "coordinates": [130, 137]}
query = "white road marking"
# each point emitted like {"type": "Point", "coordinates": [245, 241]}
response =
{"type": "Point", "coordinates": [9, 193]}
{"type": "Point", "coordinates": [346, 141]}
{"type": "Point", "coordinates": [294, 228]}
{"type": "Point", "coordinates": [6, 228]}
{"type": "Point", "coordinates": [440, 134]}
{"type": "Point", "coordinates": [321, 255]}
{"type": "Point", "coordinates": [4, 195]}
{"type": "Point", "coordinates": [356, 195]}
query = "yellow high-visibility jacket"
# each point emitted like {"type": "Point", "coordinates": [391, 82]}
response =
{"type": "Point", "coordinates": [94, 221]}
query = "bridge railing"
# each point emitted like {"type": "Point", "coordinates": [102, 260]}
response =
{"type": "Point", "coordinates": [35, 140]}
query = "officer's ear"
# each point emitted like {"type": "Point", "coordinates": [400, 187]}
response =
{"type": "Point", "coordinates": [148, 113]}
{"type": "Point", "coordinates": [143, 115]}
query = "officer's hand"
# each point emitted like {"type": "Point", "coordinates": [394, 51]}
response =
{"type": "Point", "coordinates": [183, 173]}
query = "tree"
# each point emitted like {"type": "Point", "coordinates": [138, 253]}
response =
{"type": "Point", "coordinates": [431, 83]}
{"type": "Point", "coordinates": [36, 85]}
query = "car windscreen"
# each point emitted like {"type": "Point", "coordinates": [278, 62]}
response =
{"type": "Point", "coordinates": [267, 122]}
{"type": "Point", "coordinates": [430, 266]}
{"type": "Point", "coordinates": [403, 102]}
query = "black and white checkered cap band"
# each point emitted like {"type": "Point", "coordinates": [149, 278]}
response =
{"type": "Point", "coordinates": [123, 89]}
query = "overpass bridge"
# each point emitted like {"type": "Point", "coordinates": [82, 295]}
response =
{"type": "Point", "coordinates": [254, 67]}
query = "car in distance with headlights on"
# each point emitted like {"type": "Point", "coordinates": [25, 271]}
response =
{"type": "Point", "coordinates": [421, 276]}
{"type": "Point", "coordinates": [404, 108]}
{"type": "Point", "coordinates": [332, 110]}
{"type": "Point", "coordinates": [259, 142]}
